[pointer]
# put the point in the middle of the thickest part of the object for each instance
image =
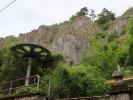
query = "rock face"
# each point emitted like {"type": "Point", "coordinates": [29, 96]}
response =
{"type": "Point", "coordinates": [128, 13]}
{"type": "Point", "coordinates": [118, 25]}
{"type": "Point", "coordinates": [70, 38]}
{"type": "Point", "coordinates": [121, 22]}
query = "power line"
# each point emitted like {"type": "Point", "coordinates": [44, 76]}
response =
{"type": "Point", "coordinates": [7, 6]}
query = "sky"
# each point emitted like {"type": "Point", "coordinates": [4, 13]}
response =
{"type": "Point", "coordinates": [26, 15]}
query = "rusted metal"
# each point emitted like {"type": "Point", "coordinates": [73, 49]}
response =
{"type": "Point", "coordinates": [31, 52]}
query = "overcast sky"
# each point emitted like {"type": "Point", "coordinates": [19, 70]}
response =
{"type": "Point", "coordinates": [26, 15]}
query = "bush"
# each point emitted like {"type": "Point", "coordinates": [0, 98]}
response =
{"type": "Point", "coordinates": [100, 34]}
{"type": "Point", "coordinates": [113, 36]}
{"type": "Point", "coordinates": [80, 81]}
{"type": "Point", "coordinates": [130, 26]}
{"type": "Point", "coordinates": [25, 90]}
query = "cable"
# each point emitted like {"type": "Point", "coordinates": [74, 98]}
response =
{"type": "Point", "coordinates": [7, 6]}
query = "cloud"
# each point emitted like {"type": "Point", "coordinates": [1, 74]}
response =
{"type": "Point", "coordinates": [25, 15]}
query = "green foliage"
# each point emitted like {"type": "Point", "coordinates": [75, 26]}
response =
{"type": "Point", "coordinates": [127, 71]}
{"type": "Point", "coordinates": [123, 31]}
{"type": "Point", "coordinates": [25, 90]}
{"type": "Point", "coordinates": [130, 26]}
{"type": "Point", "coordinates": [104, 27]}
{"type": "Point", "coordinates": [73, 17]}
{"type": "Point", "coordinates": [104, 61]}
{"type": "Point", "coordinates": [113, 36]}
{"type": "Point", "coordinates": [130, 32]}
{"type": "Point", "coordinates": [106, 52]}
{"type": "Point", "coordinates": [100, 34]}
{"type": "Point", "coordinates": [12, 67]}
{"type": "Point", "coordinates": [82, 12]}
{"type": "Point", "coordinates": [7, 58]}
{"type": "Point", "coordinates": [105, 16]}
{"type": "Point", "coordinates": [131, 53]}
{"type": "Point", "coordinates": [51, 62]}
{"type": "Point", "coordinates": [92, 15]}
{"type": "Point", "coordinates": [87, 80]}
{"type": "Point", "coordinates": [80, 81]}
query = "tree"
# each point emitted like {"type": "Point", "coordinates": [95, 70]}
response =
{"type": "Point", "coordinates": [11, 67]}
{"type": "Point", "coordinates": [105, 16]}
{"type": "Point", "coordinates": [103, 55]}
{"type": "Point", "coordinates": [92, 15]}
{"type": "Point", "coordinates": [82, 12]}
{"type": "Point", "coordinates": [80, 81]}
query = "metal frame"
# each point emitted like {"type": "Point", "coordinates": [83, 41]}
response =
{"type": "Point", "coordinates": [22, 86]}
{"type": "Point", "coordinates": [31, 52]}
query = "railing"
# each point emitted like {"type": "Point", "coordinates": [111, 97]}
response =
{"type": "Point", "coordinates": [8, 87]}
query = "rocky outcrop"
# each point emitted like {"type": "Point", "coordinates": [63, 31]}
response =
{"type": "Point", "coordinates": [70, 38]}
{"type": "Point", "coordinates": [118, 25]}
{"type": "Point", "coordinates": [128, 13]}
{"type": "Point", "coordinates": [121, 22]}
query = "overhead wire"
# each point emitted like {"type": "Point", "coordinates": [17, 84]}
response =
{"type": "Point", "coordinates": [7, 6]}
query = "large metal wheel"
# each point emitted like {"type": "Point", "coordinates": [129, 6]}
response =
{"type": "Point", "coordinates": [31, 51]}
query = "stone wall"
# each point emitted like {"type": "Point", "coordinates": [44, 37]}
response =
{"type": "Point", "coordinates": [32, 96]}
{"type": "Point", "coordinates": [120, 97]}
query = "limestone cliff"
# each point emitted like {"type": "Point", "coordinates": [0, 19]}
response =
{"type": "Point", "coordinates": [68, 37]}
{"type": "Point", "coordinates": [121, 22]}
{"type": "Point", "coordinates": [71, 37]}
